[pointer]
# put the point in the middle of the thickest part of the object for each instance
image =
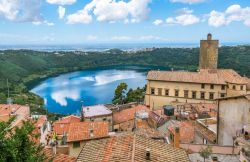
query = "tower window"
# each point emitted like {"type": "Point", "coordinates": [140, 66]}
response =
{"type": "Point", "coordinates": [211, 96]}
{"type": "Point", "coordinates": [234, 87]}
{"type": "Point", "coordinates": [211, 86]}
{"type": "Point", "coordinates": [186, 93]}
{"type": "Point", "coordinates": [194, 94]}
{"type": "Point", "coordinates": [202, 86]}
{"type": "Point", "coordinates": [166, 92]}
{"type": "Point", "coordinates": [152, 91]}
{"type": "Point", "coordinates": [176, 92]}
{"type": "Point", "coordinates": [242, 87]}
{"type": "Point", "coordinates": [223, 87]}
{"type": "Point", "coordinates": [202, 95]}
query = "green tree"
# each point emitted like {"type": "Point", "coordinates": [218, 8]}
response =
{"type": "Point", "coordinates": [120, 94]}
{"type": "Point", "coordinates": [205, 152]}
{"type": "Point", "coordinates": [136, 95]}
{"type": "Point", "coordinates": [17, 144]}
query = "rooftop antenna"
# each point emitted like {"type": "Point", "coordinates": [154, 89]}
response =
{"type": "Point", "coordinates": [9, 100]}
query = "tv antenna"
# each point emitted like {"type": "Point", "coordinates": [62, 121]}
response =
{"type": "Point", "coordinates": [9, 100]}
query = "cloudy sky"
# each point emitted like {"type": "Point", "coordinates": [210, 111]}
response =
{"type": "Point", "coordinates": [123, 21]}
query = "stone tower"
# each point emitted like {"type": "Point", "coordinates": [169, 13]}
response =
{"type": "Point", "coordinates": [208, 53]}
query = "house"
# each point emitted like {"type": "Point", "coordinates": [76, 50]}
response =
{"type": "Point", "coordinates": [42, 127]}
{"type": "Point", "coordinates": [155, 119]}
{"type": "Point", "coordinates": [124, 120]}
{"type": "Point", "coordinates": [20, 112]}
{"type": "Point", "coordinates": [203, 86]}
{"type": "Point", "coordinates": [185, 131]}
{"type": "Point", "coordinates": [206, 131]}
{"type": "Point", "coordinates": [195, 111]}
{"type": "Point", "coordinates": [81, 132]}
{"type": "Point", "coordinates": [99, 113]}
{"type": "Point", "coordinates": [233, 118]}
{"type": "Point", "coordinates": [61, 127]}
{"type": "Point", "coordinates": [58, 157]}
{"type": "Point", "coordinates": [130, 147]}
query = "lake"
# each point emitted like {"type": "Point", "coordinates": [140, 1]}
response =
{"type": "Point", "coordinates": [63, 94]}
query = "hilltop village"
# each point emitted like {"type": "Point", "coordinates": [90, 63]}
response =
{"type": "Point", "coordinates": [185, 117]}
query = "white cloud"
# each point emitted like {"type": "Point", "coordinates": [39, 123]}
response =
{"type": "Point", "coordinates": [22, 11]}
{"type": "Point", "coordinates": [112, 11]}
{"type": "Point", "coordinates": [81, 16]}
{"type": "Point", "coordinates": [121, 38]}
{"type": "Point", "coordinates": [61, 12]}
{"type": "Point", "coordinates": [231, 14]}
{"type": "Point", "coordinates": [185, 17]}
{"type": "Point", "coordinates": [187, 1]}
{"type": "Point", "coordinates": [43, 22]}
{"type": "Point", "coordinates": [184, 11]}
{"type": "Point", "coordinates": [61, 2]}
{"type": "Point", "coordinates": [91, 37]}
{"type": "Point", "coordinates": [157, 22]}
{"type": "Point", "coordinates": [151, 38]}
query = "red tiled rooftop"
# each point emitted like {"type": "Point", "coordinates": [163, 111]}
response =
{"type": "Point", "coordinates": [207, 76]}
{"type": "Point", "coordinates": [6, 109]}
{"type": "Point", "coordinates": [58, 157]}
{"type": "Point", "coordinates": [62, 126]}
{"type": "Point", "coordinates": [41, 120]}
{"type": "Point", "coordinates": [82, 131]}
{"type": "Point", "coordinates": [127, 114]}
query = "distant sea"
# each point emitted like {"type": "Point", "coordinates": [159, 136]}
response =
{"type": "Point", "coordinates": [105, 46]}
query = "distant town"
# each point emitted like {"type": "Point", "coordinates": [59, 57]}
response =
{"type": "Point", "coordinates": [184, 116]}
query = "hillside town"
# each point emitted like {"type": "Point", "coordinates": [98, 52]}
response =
{"type": "Point", "coordinates": [185, 117]}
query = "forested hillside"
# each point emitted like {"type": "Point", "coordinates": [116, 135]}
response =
{"type": "Point", "coordinates": [23, 67]}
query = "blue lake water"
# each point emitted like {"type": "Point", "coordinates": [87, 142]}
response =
{"type": "Point", "coordinates": [63, 94]}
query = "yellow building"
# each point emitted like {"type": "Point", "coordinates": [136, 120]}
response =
{"type": "Point", "coordinates": [203, 86]}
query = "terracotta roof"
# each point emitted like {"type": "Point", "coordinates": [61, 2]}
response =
{"type": "Point", "coordinates": [157, 118]}
{"type": "Point", "coordinates": [58, 157]}
{"type": "Point", "coordinates": [218, 76]}
{"type": "Point", "coordinates": [41, 120]}
{"type": "Point", "coordinates": [186, 130]}
{"type": "Point", "coordinates": [127, 114]}
{"type": "Point", "coordinates": [62, 126]}
{"type": "Point", "coordinates": [82, 131]}
{"type": "Point", "coordinates": [205, 132]}
{"type": "Point", "coordinates": [6, 109]}
{"type": "Point", "coordinates": [129, 147]}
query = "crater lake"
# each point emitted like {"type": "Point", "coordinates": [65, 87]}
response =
{"type": "Point", "coordinates": [65, 93]}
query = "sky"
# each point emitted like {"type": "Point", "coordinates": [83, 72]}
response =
{"type": "Point", "coordinates": [123, 21]}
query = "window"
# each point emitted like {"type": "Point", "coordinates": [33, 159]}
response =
{"type": "Point", "coordinates": [242, 87]}
{"type": "Point", "coordinates": [104, 119]}
{"type": "Point", "coordinates": [234, 87]}
{"type": "Point", "coordinates": [194, 94]}
{"type": "Point", "coordinates": [202, 86]}
{"type": "Point", "coordinates": [211, 86]}
{"type": "Point", "coordinates": [211, 96]}
{"type": "Point", "coordinates": [76, 144]}
{"type": "Point", "coordinates": [159, 91]}
{"type": "Point", "coordinates": [202, 95]}
{"type": "Point", "coordinates": [223, 87]}
{"type": "Point", "coordinates": [222, 95]}
{"type": "Point", "coordinates": [166, 92]}
{"type": "Point", "coordinates": [186, 93]}
{"type": "Point", "coordinates": [152, 91]}
{"type": "Point", "coordinates": [176, 93]}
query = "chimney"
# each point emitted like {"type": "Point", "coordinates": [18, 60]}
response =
{"type": "Point", "coordinates": [177, 137]}
{"type": "Point", "coordinates": [147, 156]}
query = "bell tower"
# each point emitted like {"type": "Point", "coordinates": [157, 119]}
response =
{"type": "Point", "coordinates": [208, 53]}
